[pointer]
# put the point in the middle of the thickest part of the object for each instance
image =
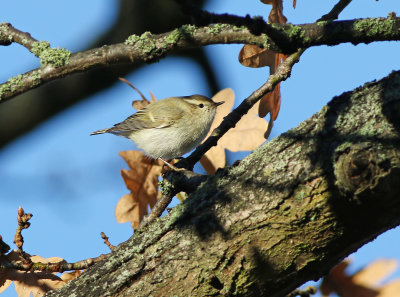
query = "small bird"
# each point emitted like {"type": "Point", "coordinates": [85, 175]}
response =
{"type": "Point", "coordinates": [168, 128]}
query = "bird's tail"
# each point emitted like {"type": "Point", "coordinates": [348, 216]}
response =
{"type": "Point", "coordinates": [100, 131]}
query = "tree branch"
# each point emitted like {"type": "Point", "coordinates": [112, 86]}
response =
{"type": "Point", "coordinates": [286, 214]}
{"type": "Point", "coordinates": [336, 10]}
{"type": "Point", "coordinates": [149, 48]}
{"type": "Point", "coordinates": [282, 72]}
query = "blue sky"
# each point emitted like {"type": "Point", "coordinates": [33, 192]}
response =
{"type": "Point", "coordinates": [71, 182]}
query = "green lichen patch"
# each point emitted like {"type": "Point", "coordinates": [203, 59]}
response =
{"type": "Point", "coordinates": [216, 28]}
{"type": "Point", "coordinates": [239, 28]}
{"type": "Point", "coordinates": [188, 29]}
{"type": "Point", "coordinates": [144, 42]}
{"type": "Point", "coordinates": [374, 27]}
{"type": "Point", "coordinates": [16, 81]}
{"type": "Point", "coordinates": [295, 32]}
{"type": "Point", "coordinates": [131, 40]}
{"type": "Point", "coordinates": [36, 77]}
{"type": "Point", "coordinates": [173, 37]}
{"type": "Point", "coordinates": [4, 36]}
{"type": "Point", "coordinates": [39, 47]}
{"type": "Point", "coordinates": [266, 41]}
{"type": "Point", "coordinates": [11, 85]}
{"type": "Point", "coordinates": [56, 57]}
{"type": "Point", "coordinates": [322, 23]}
{"type": "Point", "coordinates": [4, 88]}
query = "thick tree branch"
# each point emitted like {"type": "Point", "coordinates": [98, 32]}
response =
{"type": "Point", "coordinates": [149, 48]}
{"type": "Point", "coordinates": [286, 214]}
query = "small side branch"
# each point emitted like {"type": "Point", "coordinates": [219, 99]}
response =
{"type": "Point", "coordinates": [51, 267]}
{"type": "Point", "coordinates": [336, 10]}
{"type": "Point", "coordinates": [9, 34]}
{"type": "Point", "coordinates": [106, 242]}
{"type": "Point", "coordinates": [20, 260]}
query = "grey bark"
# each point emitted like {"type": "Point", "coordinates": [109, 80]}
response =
{"type": "Point", "coordinates": [284, 215]}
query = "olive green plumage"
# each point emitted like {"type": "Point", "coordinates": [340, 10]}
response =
{"type": "Point", "coordinates": [170, 127]}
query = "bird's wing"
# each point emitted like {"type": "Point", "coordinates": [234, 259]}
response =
{"type": "Point", "coordinates": [149, 118]}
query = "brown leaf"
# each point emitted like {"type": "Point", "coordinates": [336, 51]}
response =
{"type": "Point", "coordinates": [246, 136]}
{"type": "Point", "coordinates": [27, 283]}
{"type": "Point", "coordinates": [276, 14]}
{"type": "Point", "coordinates": [373, 274]}
{"type": "Point", "coordinates": [253, 56]}
{"type": "Point", "coordinates": [68, 276]}
{"type": "Point", "coordinates": [294, 3]}
{"type": "Point", "coordinates": [364, 283]}
{"type": "Point", "coordinates": [391, 289]}
{"type": "Point", "coordinates": [140, 104]}
{"type": "Point", "coordinates": [142, 180]}
{"type": "Point", "coordinates": [37, 283]}
{"type": "Point", "coordinates": [271, 102]}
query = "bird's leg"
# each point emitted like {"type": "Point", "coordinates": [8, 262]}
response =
{"type": "Point", "coordinates": [172, 166]}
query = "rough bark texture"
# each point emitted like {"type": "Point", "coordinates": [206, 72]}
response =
{"type": "Point", "coordinates": [286, 214]}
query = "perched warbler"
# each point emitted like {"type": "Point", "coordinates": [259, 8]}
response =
{"type": "Point", "coordinates": [168, 128]}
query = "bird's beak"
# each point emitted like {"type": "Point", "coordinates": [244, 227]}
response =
{"type": "Point", "coordinates": [219, 103]}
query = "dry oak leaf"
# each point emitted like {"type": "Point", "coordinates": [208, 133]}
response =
{"type": "Point", "coordinates": [140, 104]}
{"type": "Point", "coordinates": [276, 13]}
{"type": "Point", "coordinates": [142, 180]}
{"type": "Point", "coordinates": [246, 136]}
{"type": "Point", "coordinates": [36, 283]}
{"type": "Point", "coordinates": [365, 283]}
{"type": "Point", "coordinates": [271, 102]}
{"type": "Point", "coordinates": [68, 276]}
{"type": "Point", "coordinates": [253, 56]}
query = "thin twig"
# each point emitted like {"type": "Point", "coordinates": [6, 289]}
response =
{"type": "Point", "coordinates": [23, 223]}
{"type": "Point", "coordinates": [184, 180]}
{"type": "Point", "coordinates": [9, 34]}
{"type": "Point", "coordinates": [133, 87]}
{"type": "Point", "coordinates": [158, 208]}
{"type": "Point", "coordinates": [336, 10]}
{"type": "Point", "coordinates": [51, 267]}
{"type": "Point", "coordinates": [26, 264]}
{"type": "Point", "coordinates": [105, 238]}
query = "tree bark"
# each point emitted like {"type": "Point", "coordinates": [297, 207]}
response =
{"type": "Point", "coordinates": [284, 215]}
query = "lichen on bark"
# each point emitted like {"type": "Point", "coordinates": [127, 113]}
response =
{"type": "Point", "coordinates": [284, 215]}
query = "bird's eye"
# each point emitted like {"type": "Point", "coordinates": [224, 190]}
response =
{"type": "Point", "coordinates": [201, 105]}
